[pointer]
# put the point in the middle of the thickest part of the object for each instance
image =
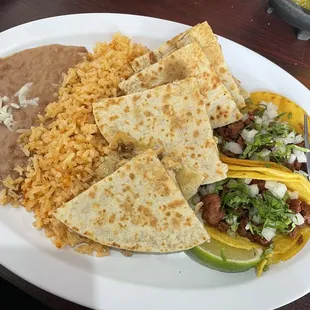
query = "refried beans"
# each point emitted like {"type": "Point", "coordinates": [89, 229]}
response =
{"type": "Point", "coordinates": [43, 66]}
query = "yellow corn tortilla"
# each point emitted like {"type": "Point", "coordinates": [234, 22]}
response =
{"type": "Point", "coordinates": [236, 242]}
{"type": "Point", "coordinates": [285, 105]}
{"type": "Point", "coordinates": [260, 267]}
{"type": "Point", "coordinates": [283, 243]}
{"type": "Point", "coordinates": [294, 249]}
{"type": "Point", "coordinates": [252, 163]}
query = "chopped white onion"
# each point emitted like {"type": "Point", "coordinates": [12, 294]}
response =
{"type": "Point", "coordinates": [245, 116]}
{"type": "Point", "coordinates": [292, 159]}
{"type": "Point", "coordinates": [258, 120]}
{"type": "Point", "coordinates": [297, 219]}
{"type": "Point", "coordinates": [22, 96]}
{"type": "Point", "coordinates": [253, 190]}
{"type": "Point", "coordinates": [233, 147]}
{"type": "Point", "coordinates": [248, 226]}
{"type": "Point", "coordinates": [14, 105]}
{"type": "Point", "coordinates": [300, 156]}
{"type": "Point", "coordinates": [23, 92]}
{"type": "Point", "coordinates": [278, 189]}
{"type": "Point", "coordinates": [203, 190]}
{"type": "Point", "coordinates": [264, 153]}
{"type": "Point", "coordinates": [247, 181]}
{"type": "Point", "coordinates": [271, 111]}
{"type": "Point", "coordinates": [219, 140]}
{"type": "Point", "coordinates": [290, 138]}
{"type": "Point", "coordinates": [195, 199]}
{"type": "Point", "coordinates": [298, 139]}
{"type": "Point", "coordinates": [280, 140]}
{"type": "Point", "coordinates": [256, 218]}
{"type": "Point", "coordinates": [248, 135]}
{"type": "Point", "coordinates": [210, 188]}
{"type": "Point", "coordinates": [303, 173]}
{"type": "Point", "coordinates": [293, 195]}
{"type": "Point", "coordinates": [268, 233]}
{"type": "Point", "coordinates": [33, 102]}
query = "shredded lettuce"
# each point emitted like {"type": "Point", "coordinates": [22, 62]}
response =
{"type": "Point", "coordinates": [264, 210]}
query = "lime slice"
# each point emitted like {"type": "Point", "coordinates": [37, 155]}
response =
{"type": "Point", "coordinates": [219, 256]}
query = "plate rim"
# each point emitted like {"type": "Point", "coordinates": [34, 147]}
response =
{"type": "Point", "coordinates": [97, 303]}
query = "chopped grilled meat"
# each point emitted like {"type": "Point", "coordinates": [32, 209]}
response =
{"type": "Point", "coordinates": [241, 228]}
{"type": "Point", "coordinates": [212, 212]}
{"type": "Point", "coordinates": [260, 184]}
{"type": "Point", "coordinates": [223, 226]}
{"type": "Point", "coordinates": [305, 212]}
{"type": "Point", "coordinates": [295, 205]}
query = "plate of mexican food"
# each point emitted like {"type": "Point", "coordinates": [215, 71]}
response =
{"type": "Point", "coordinates": [152, 159]}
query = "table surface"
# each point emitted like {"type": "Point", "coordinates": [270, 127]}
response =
{"type": "Point", "coordinates": [243, 21]}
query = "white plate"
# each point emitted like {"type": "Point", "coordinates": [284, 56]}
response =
{"type": "Point", "coordinates": [145, 281]}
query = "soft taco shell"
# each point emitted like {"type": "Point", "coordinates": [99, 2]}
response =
{"type": "Point", "coordinates": [236, 242]}
{"type": "Point", "coordinates": [283, 243]}
{"type": "Point", "coordinates": [295, 114]}
{"type": "Point", "coordinates": [252, 163]}
{"type": "Point", "coordinates": [291, 251]}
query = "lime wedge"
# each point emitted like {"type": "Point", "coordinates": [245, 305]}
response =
{"type": "Point", "coordinates": [220, 256]}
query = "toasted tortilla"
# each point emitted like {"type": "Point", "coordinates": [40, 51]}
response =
{"type": "Point", "coordinates": [171, 118]}
{"type": "Point", "coordinates": [189, 61]}
{"type": "Point", "coordinates": [201, 33]}
{"type": "Point", "coordinates": [136, 208]}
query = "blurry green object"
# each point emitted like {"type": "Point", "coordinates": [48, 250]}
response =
{"type": "Point", "coordinates": [304, 3]}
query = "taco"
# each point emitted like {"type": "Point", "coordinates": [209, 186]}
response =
{"type": "Point", "coordinates": [271, 131]}
{"type": "Point", "coordinates": [253, 209]}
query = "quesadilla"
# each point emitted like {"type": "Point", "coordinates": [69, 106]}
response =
{"type": "Point", "coordinates": [189, 61]}
{"type": "Point", "coordinates": [201, 33]}
{"type": "Point", "coordinates": [171, 117]}
{"type": "Point", "coordinates": [136, 208]}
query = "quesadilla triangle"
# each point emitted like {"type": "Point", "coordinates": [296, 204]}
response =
{"type": "Point", "coordinates": [201, 33]}
{"type": "Point", "coordinates": [136, 208]}
{"type": "Point", "coordinates": [189, 61]}
{"type": "Point", "coordinates": [171, 117]}
{"type": "Point", "coordinates": [253, 209]}
{"type": "Point", "coordinates": [271, 130]}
